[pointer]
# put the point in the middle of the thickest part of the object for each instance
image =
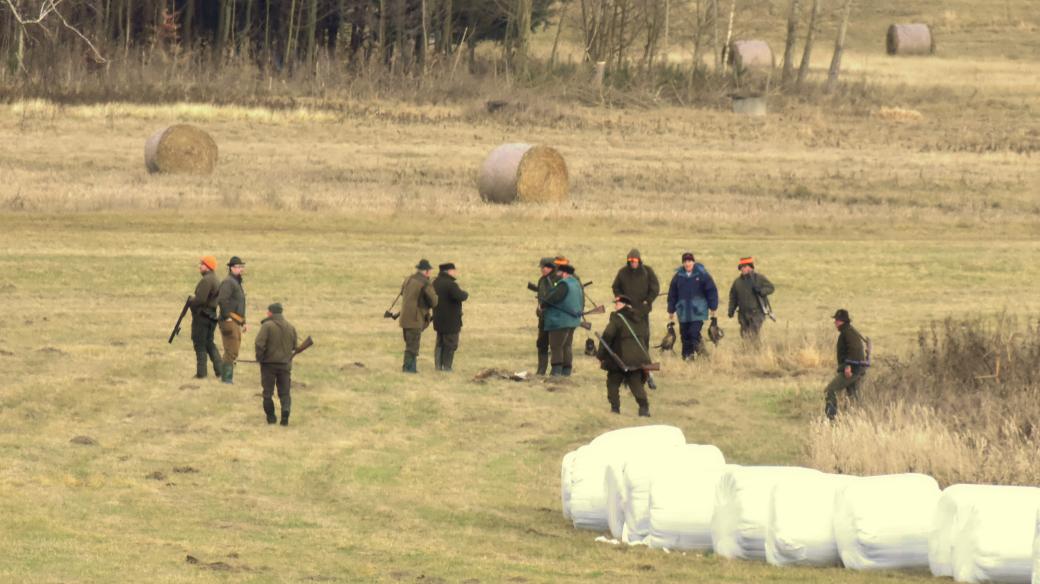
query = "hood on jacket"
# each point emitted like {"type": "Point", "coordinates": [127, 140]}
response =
{"type": "Point", "coordinates": [698, 269]}
{"type": "Point", "coordinates": [634, 253]}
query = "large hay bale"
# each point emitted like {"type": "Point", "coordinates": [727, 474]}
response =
{"type": "Point", "coordinates": [751, 54]}
{"type": "Point", "coordinates": [910, 39]}
{"type": "Point", "coordinates": [181, 149]}
{"type": "Point", "coordinates": [523, 172]}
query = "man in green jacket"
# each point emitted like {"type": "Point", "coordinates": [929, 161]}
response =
{"type": "Point", "coordinates": [853, 362]}
{"type": "Point", "coordinates": [628, 359]}
{"type": "Point", "coordinates": [418, 299]}
{"type": "Point", "coordinates": [638, 282]}
{"type": "Point", "coordinates": [447, 316]}
{"type": "Point", "coordinates": [563, 309]}
{"type": "Point", "coordinates": [543, 288]}
{"type": "Point", "coordinates": [231, 299]}
{"type": "Point", "coordinates": [749, 295]}
{"type": "Point", "coordinates": [203, 306]}
{"type": "Point", "coordinates": [275, 345]}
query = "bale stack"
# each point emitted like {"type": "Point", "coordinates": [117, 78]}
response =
{"type": "Point", "coordinates": [910, 39]}
{"type": "Point", "coordinates": [751, 54]}
{"type": "Point", "coordinates": [180, 149]}
{"type": "Point", "coordinates": [523, 172]}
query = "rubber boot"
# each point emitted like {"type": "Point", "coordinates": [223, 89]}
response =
{"type": "Point", "coordinates": [269, 410]}
{"type": "Point", "coordinates": [556, 371]}
{"type": "Point", "coordinates": [409, 364]}
{"type": "Point", "coordinates": [200, 365]}
{"type": "Point", "coordinates": [543, 363]}
{"type": "Point", "coordinates": [438, 358]}
{"type": "Point", "coordinates": [565, 371]}
{"type": "Point", "coordinates": [615, 407]}
{"type": "Point", "coordinates": [447, 360]}
{"type": "Point", "coordinates": [229, 374]}
{"type": "Point", "coordinates": [644, 408]}
{"type": "Point", "coordinates": [285, 417]}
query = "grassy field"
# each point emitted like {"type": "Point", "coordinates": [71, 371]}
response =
{"type": "Point", "coordinates": [915, 202]}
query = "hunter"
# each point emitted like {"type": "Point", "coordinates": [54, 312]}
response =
{"type": "Point", "coordinates": [231, 299]}
{"type": "Point", "coordinates": [418, 298]}
{"type": "Point", "coordinates": [203, 305]}
{"type": "Point", "coordinates": [638, 282]}
{"type": "Point", "coordinates": [563, 309]}
{"type": "Point", "coordinates": [275, 345]}
{"type": "Point", "coordinates": [693, 296]}
{"type": "Point", "coordinates": [749, 295]}
{"type": "Point", "coordinates": [543, 288]}
{"type": "Point", "coordinates": [853, 362]}
{"type": "Point", "coordinates": [621, 354]}
{"type": "Point", "coordinates": [447, 316]}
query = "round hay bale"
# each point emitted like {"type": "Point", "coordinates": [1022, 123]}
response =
{"type": "Point", "coordinates": [182, 149]}
{"type": "Point", "coordinates": [523, 172]}
{"type": "Point", "coordinates": [910, 39]}
{"type": "Point", "coordinates": [751, 54]}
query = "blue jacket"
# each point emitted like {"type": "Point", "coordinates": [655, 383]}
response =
{"type": "Point", "coordinates": [564, 306]}
{"type": "Point", "coordinates": [692, 295]}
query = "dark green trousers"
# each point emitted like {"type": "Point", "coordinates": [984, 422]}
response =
{"type": "Point", "coordinates": [561, 344]}
{"type": "Point", "coordinates": [633, 379]}
{"type": "Point", "coordinates": [850, 385]}
{"type": "Point", "coordinates": [202, 330]}
{"type": "Point", "coordinates": [411, 341]}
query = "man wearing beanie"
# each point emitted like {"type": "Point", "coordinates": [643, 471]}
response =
{"type": "Point", "coordinates": [543, 289]}
{"type": "Point", "coordinates": [418, 298]}
{"type": "Point", "coordinates": [447, 316]}
{"type": "Point", "coordinates": [693, 296]}
{"type": "Point", "coordinates": [203, 305]}
{"type": "Point", "coordinates": [563, 308]}
{"type": "Point", "coordinates": [749, 295]}
{"type": "Point", "coordinates": [231, 299]}
{"type": "Point", "coordinates": [275, 345]}
{"type": "Point", "coordinates": [621, 354]}
{"type": "Point", "coordinates": [853, 360]}
{"type": "Point", "coordinates": [638, 282]}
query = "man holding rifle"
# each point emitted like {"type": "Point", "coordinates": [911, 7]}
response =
{"type": "Point", "coordinates": [623, 356]}
{"type": "Point", "coordinates": [275, 348]}
{"type": "Point", "coordinates": [750, 295]}
{"type": "Point", "coordinates": [543, 289]}
{"type": "Point", "coordinates": [563, 311]}
{"type": "Point", "coordinates": [203, 306]}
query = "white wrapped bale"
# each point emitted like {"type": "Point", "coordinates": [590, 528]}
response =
{"type": "Point", "coordinates": [910, 39]}
{"type": "Point", "coordinates": [1036, 551]}
{"type": "Point", "coordinates": [523, 172]}
{"type": "Point", "coordinates": [883, 522]}
{"type": "Point", "coordinates": [950, 514]}
{"type": "Point", "coordinates": [801, 522]}
{"type": "Point", "coordinates": [617, 495]}
{"type": "Point", "coordinates": [180, 149]}
{"type": "Point", "coordinates": [742, 498]}
{"type": "Point", "coordinates": [566, 467]}
{"type": "Point", "coordinates": [627, 438]}
{"type": "Point", "coordinates": [995, 543]}
{"type": "Point", "coordinates": [682, 504]}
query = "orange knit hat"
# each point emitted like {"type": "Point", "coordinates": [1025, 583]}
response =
{"type": "Point", "coordinates": [561, 261]}
{"type": "Point", "coordinates": [209, 261]}
{"type": "Point", "coordinates": [748, 261]}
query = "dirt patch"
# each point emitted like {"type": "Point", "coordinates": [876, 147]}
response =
{"type": "Point", "coordinates": [83, 441]}
{"type": "Point", "coordinates": [157, 476]}
{"type": "Point", "coordinates": [689, 402]}
{"type": "Point", "coordinates": [189, 386]}
{"type": "Point", "coordinates": [51, 351]}
{"type": "Point", "coordinates": [5, 353]}
{"type": "Point", "coordinates": [118, 343]}
{"type": "Point", "coordinates": [189, 470]}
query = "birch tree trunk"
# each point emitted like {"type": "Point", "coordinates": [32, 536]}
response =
{"type": "Point", "coordinates": [803, 69]}
{"type": "Point", "coordinates": [839, 47]}
{"type": "Point", "coordinates": [792, 38]}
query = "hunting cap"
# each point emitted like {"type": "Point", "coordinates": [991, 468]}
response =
{"type": "Point", "coordinates": [748, 261]}
{"type": "Point", "coordinates": [687, 255]}
{"type": "Point", "coordinates": [546, 263]}
{"type": "Point", "coordinates": [423, 265]}
{"type": "Point", "coordinates": [567, 269]}
{"type": "Point", "coordinates": [842, 315]}
{"type": "Point", "coordinates": [235, 261]}
{"type": "Point", "coordinates": [633, 254]}
{"type": "Point", "coordinates": [275, 308]}
{"type": "Point", "coordinates": [209, 261]}
{"type": "Point", "coordinates": [561, 260]}
{"type": "Point", "coordinates": [447, 266]}
{"type": "Point", "coordinates": [623, 299]}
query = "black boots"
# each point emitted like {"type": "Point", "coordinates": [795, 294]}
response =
{"type": "Point", "coordinates": [556, 371]}
{"type": "Point", "coordinates": [229, 374]}
{"type": "Point", "coordinates": [438, 358]}
{"type": "Point", "coordinates": [269, 410]}
{"type": "Point", "coordinates": [447, 359]}
{"type": "Point", "coordinates": [285, 417]}
{"type": "Point", "coordinates": [409, 364]}
{"type": "Point", "coordinates": [615, 408]}
{"type": "Point", "coordinates": [565, 371]}
{"type": "Point", "coordinates": [644, 408]}
{"type": "Point", "coordinates": [543, 363]}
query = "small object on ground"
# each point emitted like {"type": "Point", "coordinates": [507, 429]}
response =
{"type": "Point", "coordinates": [185, 469]}
{"type": "Point", "coordinates": [611, 541]}
{"type": "Point", "coordinates": [493, 373]}
{"type": "Point", "coordinates": [590, 347]}
{"type": "Point", "coordinates": [156, 476]}
{"type": "Point", "coordinates": [83, 441]}
{"type": "Point", "coordinates": [191, 559]}
{"type": "Point", "coordinates": [189, 386]}
{"type": "Point", "coordinates": [493, 105]}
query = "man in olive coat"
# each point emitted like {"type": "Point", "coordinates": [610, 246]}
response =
{"type": "Point", "coordinates": [626, 363]}
{"type": "Point", "coordinates": [447, 316]}
{"type": "Point", "coordinates": [853, 362]}
{"type": "Point", "coordinates": [231, 299]}
{"type": "Point", "coordinates": [418, 298]}
{"type": "Point", "coordinates": [749, 295]}
{"type": "Point", "coordinates": [563, 309]}
{"type": "Point", "coordinates": [543, 288]}
{"type": "Point", "coordinates": [275, 345]}
{"type": "Point", "coordinates": [203, 306]}
{"type": "Point", "coordinates": [638, 282]}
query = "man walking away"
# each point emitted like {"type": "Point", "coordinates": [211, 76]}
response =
{"type": "Point", "coordinates": [638, 282]}
{"type": "Point", "coordinates": [544, 287]}
{"type": "Point", "coordinates": [447, 316]}
{"type": "Point", "coordinates": [852, 363]}
{"type": "Point", "coordinates": [564, 306]}
{"type": "Point", "coordinates": [626, 363]}
{"type": "Point", "coordinates": [203, 307]}
{"type": "Point", "coordinates": [275, 345]}
{"type": "Point", "coordinates": [231, 299]}
{"type": "Point", "coordinates": [749, 295]}
{"type": "Point", "coordinates": [693, 296]}
{"type": "Point", "coordinates": [418, 298]}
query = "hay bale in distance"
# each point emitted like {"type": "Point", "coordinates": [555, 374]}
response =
{"type": "Point", "coordinates": [910, 39]}
{"type": "Point", "coordinates": [181, 149]}
{"type": "Point", "coordinates": [751, 54]}
{"type": "Point", "coordinates": [750, 105]}
{"type": "Point", "coordinates": [523, 172]}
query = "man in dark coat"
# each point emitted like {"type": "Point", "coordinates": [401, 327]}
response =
{"type": "Point", "coordinates": [447, 316]}
{"type": "Point", "coordinates": [638, 282]}
{"type": "Point", "coordinates": [203, 306]}
{"type": "Point", "coordinates": [853, 362]}
{"type": "Point", "coordinates": [231, 299]}
{"type": "Point", "coordinates": [418, 298]}
{"type": "Point", "coordinates": [563, 310]}
{"type": "Point", "coordinates": [750, 295]}
{"type": "Point", "coordinates": [542, 289]}
{"type": "Point", "coordinates": [626, 363]}
{"type": "Point", "coordinates": [275, 345]}
{"type": "Point", "coordinates": [692, 295]}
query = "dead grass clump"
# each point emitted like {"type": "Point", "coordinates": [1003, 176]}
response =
{"type": "Point", "coordinates": [526, 173]}
{"type": "Point", "coordinates": [899, 114]}
{"type": "Point", "coordinates": [180, 149]}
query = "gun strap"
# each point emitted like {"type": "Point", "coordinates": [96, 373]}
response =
{"type": "Point", "coordinates": [635, 336]}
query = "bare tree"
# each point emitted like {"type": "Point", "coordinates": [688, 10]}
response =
{"type": "Point", "coordinates": [839, 46]}
{"type": "Point", "coordinates": [46, 11]}
{"type": "Point", "coordinates": [803, 69]}
{"type": "Point", "coordinates": [792, 37]}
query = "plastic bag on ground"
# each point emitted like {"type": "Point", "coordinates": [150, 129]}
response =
{"type": "Point", "coordinates": [742, 499]}
{"type": "Point", "coordinates": [682, 504]}
{"type": "Point", "coordinates": [800, 531]}
{"type": "Point", "coordinates": [995, 543]}
{"type": "Point", "coordinates": [950, 513]}
{"type": "Point", "coordinates": [883, 522]}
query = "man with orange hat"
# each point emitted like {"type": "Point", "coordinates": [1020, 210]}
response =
{"type": "Point", "coordinates": [749, 295]}
{"type": "Point", "coordinates": [203, 307]}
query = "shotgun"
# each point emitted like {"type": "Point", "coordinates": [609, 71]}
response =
{"type": "Point", "coordinates": [617, 360]}
{"type": "Point", "coordinates": [177, 325]}
{"type": "Point", "coordinates": [306, 344]}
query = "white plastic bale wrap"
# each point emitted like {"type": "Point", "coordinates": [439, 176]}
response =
{"type": "Point", "coordinates": [1036, 551]}
{"type": "Point", "coordinates": [883, 522]}
{"type": "Point", "coordinates": [742, 499]}
{"type": "Point", "coordinates": [565, 482]}
{"type": "Point", "coordinates": [682, 504]}
{"type": "Point", "coordinates": [995, 542]}
{"type": "Point", "coordinates": [801, 521]}
{"type": "Point", "coordinates": [950, 514]}
{"type": "Point", "coordinates": [588, 494]}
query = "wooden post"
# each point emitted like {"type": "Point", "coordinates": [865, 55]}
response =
{"type": "Point", "coordinates": [803, 69]}
{"type": "Point", "coordinates": [839, 47]}
{"type": "Point", "coordinates": [792, 34]}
